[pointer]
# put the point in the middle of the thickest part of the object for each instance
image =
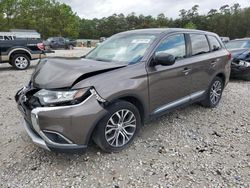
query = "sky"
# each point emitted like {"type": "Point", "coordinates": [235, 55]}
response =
{"type": "Point", "coordinates": [90, 9]}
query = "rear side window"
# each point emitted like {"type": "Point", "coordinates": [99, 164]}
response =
{"type": "Point", "coordinates": [174, 45]}
{"type": "Point", "coordinates": [214, 43]}
{"type": "Point", "coordinates": [199, 44]}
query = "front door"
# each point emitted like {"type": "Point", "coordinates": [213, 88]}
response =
{"type": "Point", "coordinates": [169, 86]}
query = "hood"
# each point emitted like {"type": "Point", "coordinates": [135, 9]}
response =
{"type": "Point", "coordinates": [55, 73]}
{"type": "Point", "coordinates": [236, 52]}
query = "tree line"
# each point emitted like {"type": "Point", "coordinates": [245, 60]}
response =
{"type": "Point", "coordinates": [48, 17]}
{"type": "Point", "coordinates": [51, 18]}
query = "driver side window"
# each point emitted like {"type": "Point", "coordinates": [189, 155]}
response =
{"type": "Point", "coordinates": [174, 45]}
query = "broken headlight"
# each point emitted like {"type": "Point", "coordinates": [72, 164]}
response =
{"type": "Point", "coordinates": [60, 97]}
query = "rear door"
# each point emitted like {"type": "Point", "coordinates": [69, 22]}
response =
{"type": "Point", "coordinates": [5, 47]}
{"type": "Point", "coordinates": [205, 60]}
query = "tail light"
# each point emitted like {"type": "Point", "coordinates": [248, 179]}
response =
{"type": "Point", "coordinates": [229, 56]}
{"type": "Point", "coordinates": [41, 46]}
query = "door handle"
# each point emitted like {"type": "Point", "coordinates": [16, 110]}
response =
{"type": "Point", "coordinates": [186, 71]}
{"type": "Point", "coordinates": [213, 63]}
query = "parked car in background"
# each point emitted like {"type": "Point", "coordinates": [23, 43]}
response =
{"type": "Point", "coordinates": [225, 39]}
{"type": "Point", "coordinates": [59, 43]}
{"type": "Point", "coordinates": [240, 50]}
{"type": "Point", "coordinates": [19, 53]}
{"type": "Point", "coordinates": [128, 79]}
{"type": "Point", "coordinates": [19, 34]}
{"type": "Point", "coordinates": [6, 36]}
{"type": "Point", "coordinates": [102, 39]}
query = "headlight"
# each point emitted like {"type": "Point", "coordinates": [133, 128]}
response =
{"type": "Point", "coordinates": [50, 97]}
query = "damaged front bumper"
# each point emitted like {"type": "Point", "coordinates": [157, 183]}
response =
{"type": "Point", "coordinates": [61, 128]}
{"type": "Point", "coordinates": [241, 70]}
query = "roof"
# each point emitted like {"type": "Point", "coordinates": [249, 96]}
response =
{"type": "Point", "coordinates": [165, 30]}
{"type": "Point", "coordinates": [23, 30]}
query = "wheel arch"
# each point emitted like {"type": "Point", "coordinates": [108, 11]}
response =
{"type": "Point", "coordinates": [136, 102]}
{"type": "Point", "coordinates": [222, 76]}
{"type": "Point", "coordinates": [129, 98]}
{"type": "Point", "coordinates": [19, 51]}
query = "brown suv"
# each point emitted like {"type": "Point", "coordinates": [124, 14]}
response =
{"type": "Point", "coordinates": [129, 78]}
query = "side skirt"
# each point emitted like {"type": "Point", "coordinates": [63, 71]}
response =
{"type": "Point", "coordinates": [185, 101]}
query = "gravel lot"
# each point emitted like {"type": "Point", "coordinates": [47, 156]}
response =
{"type": "Point", "coordinates": [190, 147]}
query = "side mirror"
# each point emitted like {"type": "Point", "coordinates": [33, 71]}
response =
{"type": "Point", "coordinates": [164, 59]}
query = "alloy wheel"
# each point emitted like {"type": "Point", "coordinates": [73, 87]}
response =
{"type": "Point", "coordinates": [21, 62]}
{"type": "Point", "coordinates": [120, 128]}
{"type": "Point", "coordinates": [215, 93]}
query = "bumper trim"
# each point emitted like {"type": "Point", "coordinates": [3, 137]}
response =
{"type": "Point", "coordinates": [34, 119]}
{"type": "Point", "coordinates": [53, 132]}
{"type": "Point", "coordinates": [38, 141]}
{"type": "Point", "coordinates": [35, 123]}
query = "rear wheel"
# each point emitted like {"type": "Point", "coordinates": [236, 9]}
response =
{"type": "Point", "coordinates": [118, 128]}
{"type": "Point", "coordinates": [20, 61]}
{"type": "Point", "coordinates": [214, 93]}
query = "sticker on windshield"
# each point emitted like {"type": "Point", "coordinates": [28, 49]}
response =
{"type": "Point", "coordinates": [139, 41]}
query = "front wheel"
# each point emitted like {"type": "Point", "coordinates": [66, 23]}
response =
{"type": "Point", "coordinates": [214, 93]}
{"type": "Point", "coordinates": [20, 61]}
{"type": "Point", "coordinates": [118, 128]}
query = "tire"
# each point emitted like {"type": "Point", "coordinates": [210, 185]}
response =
{"type": "Point", "coordinates": [214, 93]}
{"type": "Point", "coordinates": [112, 136]}
{"type": "Point", "coordinates": [20, 61]}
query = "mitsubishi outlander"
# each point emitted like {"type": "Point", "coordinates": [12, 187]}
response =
{"type": "Point", "coordinates": [131, 77]}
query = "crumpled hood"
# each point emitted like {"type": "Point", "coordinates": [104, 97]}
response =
{"type": "Point", "coordinates": [236, 52]}
{"type": "Point", "coordinates": [55, 73]}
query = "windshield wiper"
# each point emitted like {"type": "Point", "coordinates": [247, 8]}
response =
{"type": "Point", "coordinates": [103, 60]}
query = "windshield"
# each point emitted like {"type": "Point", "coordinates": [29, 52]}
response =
{"type": "Point", "coordinates": [127, 49]}
{"type": "Point", "coordinates": [236, 44]}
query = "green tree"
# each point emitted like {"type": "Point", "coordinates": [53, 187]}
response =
{"type": "Point", "coordinates": [46, 16]}
{"type": "Point", "coordinates": [190, 25]}
{"type": "Point", "coordinates": [9, 9]}
{"type": "Point", "coordinates": [51, 18]}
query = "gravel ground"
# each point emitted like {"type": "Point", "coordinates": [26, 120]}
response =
{"type": "Point", "coordinates": [190, 147]}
